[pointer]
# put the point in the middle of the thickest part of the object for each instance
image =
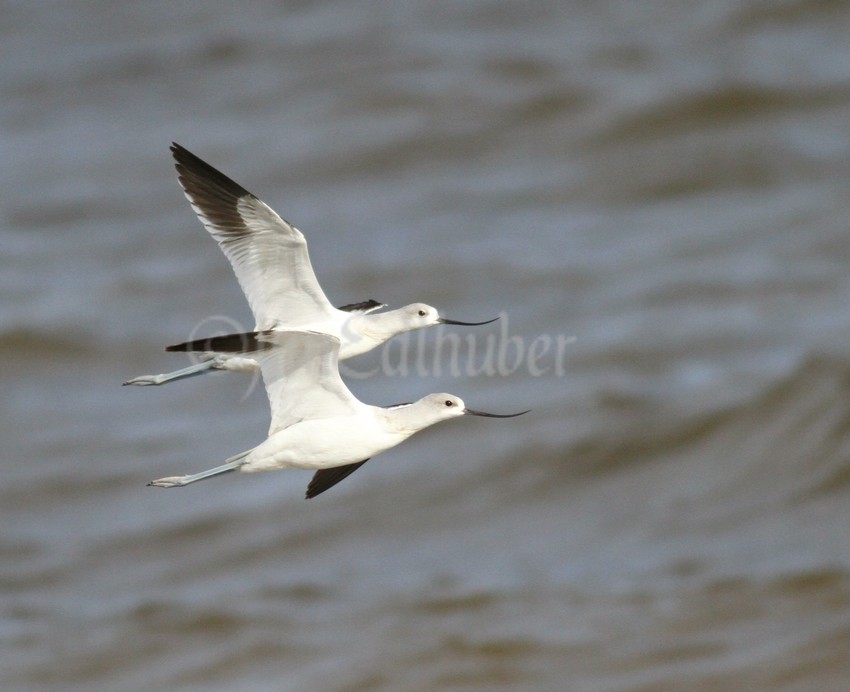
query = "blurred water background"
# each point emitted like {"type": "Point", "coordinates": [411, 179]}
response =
{"type": "Point", "coordinates": [665, 182]}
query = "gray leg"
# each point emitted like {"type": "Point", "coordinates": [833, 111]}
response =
{"type": "Point", "coordinates": [190, 371]}
{"type": "Point", "coordinates": [178, 481]}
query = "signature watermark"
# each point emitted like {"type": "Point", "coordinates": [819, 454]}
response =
{"type": "Point", "coordinates": [439, 352]}
{"type": "Point", "coordinates": [444, 351]}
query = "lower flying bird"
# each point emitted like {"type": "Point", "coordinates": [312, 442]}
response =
{"type": "Point", "coordinates": [270, 259]}
{"type": "Point", "coordinates": [316, 422]}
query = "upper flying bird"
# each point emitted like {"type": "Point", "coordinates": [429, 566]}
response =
{"type": "Point", "coordinates": [316, 422]}
{"type": "Point", "coordinates": [270, 259]}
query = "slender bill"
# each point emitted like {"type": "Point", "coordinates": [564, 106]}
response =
{"type": "Point", "coordinates": [444, 320]}
{"type": "Point", "coordinates": [473, 412]}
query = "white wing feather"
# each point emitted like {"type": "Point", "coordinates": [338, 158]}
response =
{"type": "Point", "coordinates": [301, 374]}
{"type": "Point", "coordinates": [268, 255]}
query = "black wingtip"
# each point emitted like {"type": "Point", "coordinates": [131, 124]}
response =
{"type": "Point", "coordinates": [229, 343]}
{"type": "Point", "coordinates": [200, 178]}
{"type": "Point", "coordinates": [325, 479]}
{"type": "Point", "coordinates": [365, 307]}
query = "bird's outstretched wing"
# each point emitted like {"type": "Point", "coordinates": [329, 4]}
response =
{"type": "Point", "coordinates": [268, 255]}
{"type": "Point", "coordinates": [300, 370]}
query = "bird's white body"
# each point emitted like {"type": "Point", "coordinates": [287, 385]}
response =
{"type": "Point", "coordinates": [270, 259]}
{"type": "Point", "coordinates": [316, 422]}
{"type": "Point", "coordinates": [358, 332]}
{"type": "Point", "coordinates": [328, 442]}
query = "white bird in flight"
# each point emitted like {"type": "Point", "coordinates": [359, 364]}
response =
{"type": "Point", "coordinates": [270, 259]}
{"type": "Point", "coordinates": [316, 422]}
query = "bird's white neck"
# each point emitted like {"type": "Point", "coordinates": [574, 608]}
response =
{"type": "Point", "coordinates": [380, 327]}
{"type": "Point", "coordinates": [408, 419]}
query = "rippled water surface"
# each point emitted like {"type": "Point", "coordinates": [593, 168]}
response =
{"type": "Point", "coordinates": [655, 195]}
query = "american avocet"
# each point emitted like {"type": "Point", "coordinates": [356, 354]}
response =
{"type": "Point", "coordinates": [316, 422]}
{"type": "Point", "coordinates": [270, 259]}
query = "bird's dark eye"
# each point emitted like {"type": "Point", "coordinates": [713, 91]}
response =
{"type": "Point", "coordinates": [449, 402]}
{"type": "Point", "coordinates": [422, 313]}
